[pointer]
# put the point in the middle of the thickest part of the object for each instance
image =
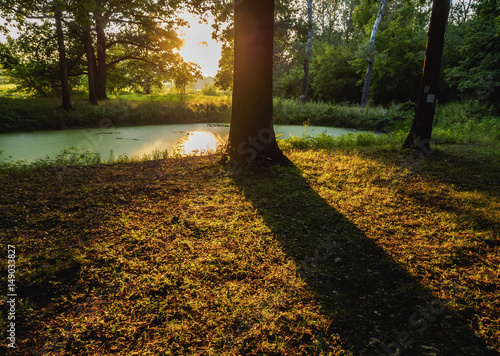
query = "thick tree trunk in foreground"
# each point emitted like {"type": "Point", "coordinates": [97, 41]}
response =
{"type": "Point", "coordinates": [63, 63]}
{"type": "Point", "coordinates": [102, 70]}
{"type": "Point", "coordinates": [89, 50]}
{"type": "Point", "coordinates": [371, 56]}
{"type": "Point", "coordinates": [307, 60]}
{"type": "Point", "coordinates": [251, 136]}
{"type": "Point", "coordinates": [420, 132]}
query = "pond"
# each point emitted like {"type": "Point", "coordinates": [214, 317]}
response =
{"type": "Point", "coordinates": [184, 139]}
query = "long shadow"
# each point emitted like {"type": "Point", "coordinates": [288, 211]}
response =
{"type": "Point", "coordinates": [481, 173]}
{"type": "Point", "coordinates": [375, 306]}
{"type": "Point", "coordinates": [60, 217]}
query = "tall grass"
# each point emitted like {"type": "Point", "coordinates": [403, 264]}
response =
{"type": "Point", "coordinates": [44, 113]}
{"type": "Point", "coordinates": [78, 157]}
{"type": "Point", "coordinates": [337, 115]}
{"type": "Point", "coordinates": [469, 122]}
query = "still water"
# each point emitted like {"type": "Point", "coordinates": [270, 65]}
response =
{"type": "Point", "coordinates": [184, 139]}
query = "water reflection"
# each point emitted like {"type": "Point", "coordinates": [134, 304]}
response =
{"type": "Point", "coordinates": [184, 139]}
{"type": "Point", "coordinates": [198, 142]}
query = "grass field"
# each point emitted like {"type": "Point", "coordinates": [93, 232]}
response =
{"type": "Point", "coordinates": [359, 251]}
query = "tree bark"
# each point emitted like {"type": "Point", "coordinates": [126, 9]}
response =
{"type": "Point", "coordinates": [420, 132]}
{"type": "Point", "coordinates": [307, 60]}
{"type": "Point", "coordinates": [63, 63]}
{"type": "Point", "coordinates": [371, 56]}
{"type": "Point", "coordinates": [102, 70]}
{"type": "Point", "coordinates": [89, 50]}
{"type": "Point", "coordinates": [251, 135]}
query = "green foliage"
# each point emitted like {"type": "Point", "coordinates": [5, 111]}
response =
{"type": "Point", "coordinates": [185, 74]}
{"type": "Point", "coordinates": [478, 74]}
{"type": "Point", "coordinates": [358, 139]}
{"type": "Point", "coordinates": [44, 113]}
{"type": "Point", "coordinates": [335, 115]}
{"type": "Point", "coordinates": [452, 56]}
{"type": "Point", "coordinates": [134, 75]}
{"type": "Point", "coordinates": [30, 61]}
{"type": "Point", "coordinates": [224, 76]}
{"type": "Point", "coordinates": [209, 89]}
{"type": "Point", "coordinates": [333, 78]}
{"type": "Point", "coordinates": [290, 84]}
{"type": "Point", "coordinates": [470, 122]}
{"type": "Point", "coordinates": [466, 122]}
{"type": "Point", "coordinates": [399, 55]}
{"type": "Point", "coordinates": [68, 157]}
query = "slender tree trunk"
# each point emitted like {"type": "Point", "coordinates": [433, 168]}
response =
{"type": "Point", "coordinates": [89, 50]}
{"type": "Point", "coordinates": [307, 60]}
{"type": "Point", "coordinates": [371, 56]}
{"type": "Point", "coordinates": [420, 132]}
{"type": "Point", "coordinates": [251, 135]}
{"type": "Point", "coordinates": [63, 63]}
{"type": "Point", "coordinates": [349, 10]}
{"type": "Point", "coordinates": [102, 70]}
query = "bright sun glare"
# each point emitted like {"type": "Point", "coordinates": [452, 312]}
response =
{"type": "Point", "coordinates": [199, 47]}
{"type": "Point", "coordinates": [199, 142]}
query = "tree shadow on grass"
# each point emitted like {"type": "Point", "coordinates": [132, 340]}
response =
{"type": "Point", "coordinates": [56, 219]}
{"type": "Point", "coordinates": [375, 306]}
{"type": "Point", "coordinates": [459, 165]}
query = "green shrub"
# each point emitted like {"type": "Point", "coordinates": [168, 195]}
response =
{"type": "Point", "coordinates": [290, 112]}
{"type": "Point", "coordinates": [209, 90]}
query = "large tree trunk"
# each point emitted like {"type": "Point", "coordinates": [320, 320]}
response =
{"type": "Point", "coordinates": [63, 63]}
{"type": "Point", "coordinates": [251, 135]}
{"type": "Point", "coordinates": [102, 70]}
{"type": "Point", "coordinates": [371, 56]}
{"type": "Point", "coordinates": [307, 60]}
{"type": "Point", "coordinates": [89, 50]}
{"type": "Point", "coordinates": [420, 132]}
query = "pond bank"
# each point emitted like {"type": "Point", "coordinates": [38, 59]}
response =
{"type": "Point", "coordinates": [34, 114]}
{"type": "Point", "coordinates": [136, 141]}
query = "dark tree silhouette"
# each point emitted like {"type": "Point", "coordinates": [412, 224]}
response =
{"type": "Point", "coordinates": [251, 136]}
{"type": "Point", "coordinates": [421, 129]}
{"type": "Point", "coordinates": [307, 60]}
{"type": "Point", "coordinates": [63, 64]}
{"type": "Point", "coordinates": [89, 51]}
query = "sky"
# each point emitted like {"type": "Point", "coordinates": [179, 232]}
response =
{"type": "Point", "coordinates": [199, 47]}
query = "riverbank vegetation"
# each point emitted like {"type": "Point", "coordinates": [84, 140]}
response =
{"type": "Point", "coordinates": [175, 256]}
{"type": "Point", "coordinates": [464, 122]}
{"type": "Point", "coordinates": [134, 110]}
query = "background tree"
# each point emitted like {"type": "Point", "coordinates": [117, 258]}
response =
{"type": "Point", "coordinates": [334, 79]}
{"type": "Point", "coordinates": [478, 73]}
{"type": "Point", "coordinates": [134, 31]}
{"type": "Point", "coordinates": [91, 70]}
{"type": "Point", "coordinates": [25, 10]}
{"type": "Point", "coordinates": [224, 76]}
{"type": "Point", "coordinates": [307, 59]}
{"type": "Point", "coordinates": [186, 74]}
{"type": "Point", "coordinates": [32, 64]}
{"type": "Point", "coordinates": [63, 63]}
{"type": "Point", "coordinates": [399, 54]}
{"type": "Point", "coordinates": [371, 55]}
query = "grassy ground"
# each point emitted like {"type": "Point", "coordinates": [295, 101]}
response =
{"type": "Point", "coordinates": [361, 251]}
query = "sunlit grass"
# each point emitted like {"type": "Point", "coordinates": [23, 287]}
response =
{"type": "Point", "coordinates": [177, 257]}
